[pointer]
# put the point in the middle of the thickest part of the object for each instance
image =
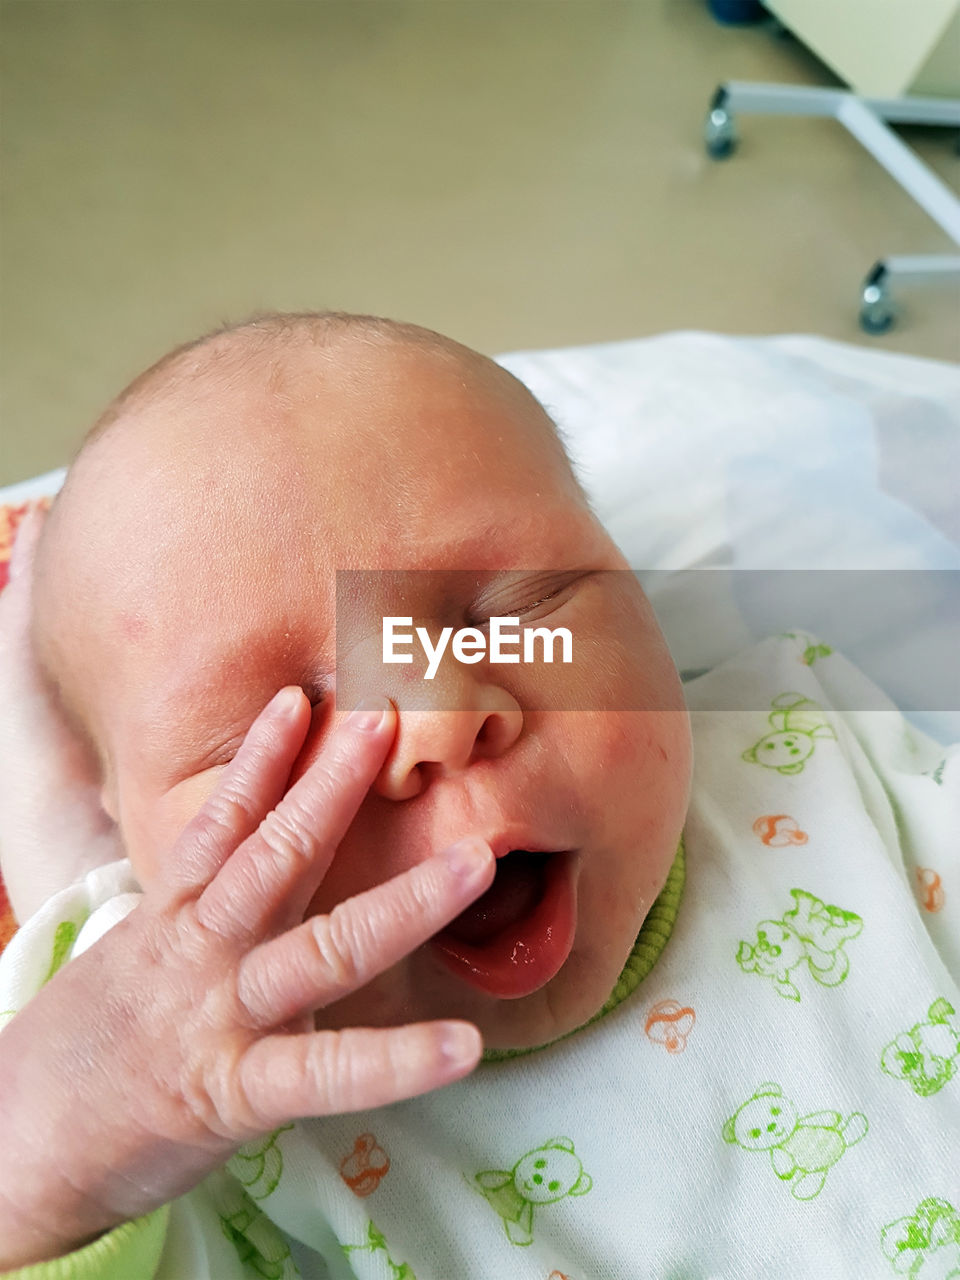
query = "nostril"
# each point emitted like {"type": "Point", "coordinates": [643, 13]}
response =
{"type": "Point", "coordinates": [497, 732]}
{"type": "Point", "coordinates": [425, 772]}
{"type": "Point", "coordinates": [397, 781]}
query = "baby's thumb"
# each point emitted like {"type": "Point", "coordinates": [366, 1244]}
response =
{"type": "Point", "coordinates": [25, 543]}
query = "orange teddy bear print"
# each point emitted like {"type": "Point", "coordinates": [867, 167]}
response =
{"type": "Point", "coordinates": [931, 889]}
{"type": "Point", "coordinates": [366, 1165]}
{"type": "Point", "coordinates": [669, 1023]}
{"type": "Point", "coordinates": [778, 829]}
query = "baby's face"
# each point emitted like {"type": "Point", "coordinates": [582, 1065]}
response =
{"type": "Point", "coordinates": [226, 523]}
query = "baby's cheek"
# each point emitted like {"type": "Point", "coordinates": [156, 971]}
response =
{"type": "Point", "coordinates": [641, 764]}
{"type": "Point", "coordinates": [152, 826]}
{"type": "Point", "coordinates": [639, 743]}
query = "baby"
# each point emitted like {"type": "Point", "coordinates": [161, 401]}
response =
{"type": "Point", "coordinates": [328, 908]}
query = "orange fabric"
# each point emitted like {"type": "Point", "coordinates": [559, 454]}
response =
{"type": "Point", "coordinates": [10, 517]}
{"type": "Point", "coordinates": [8, 925]}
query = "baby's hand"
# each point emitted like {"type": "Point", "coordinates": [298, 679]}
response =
{"type": "Point", "coordinates": [184, 1032]}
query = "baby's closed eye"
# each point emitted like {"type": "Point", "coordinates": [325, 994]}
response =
{"type": "Point", "coordinates": [529, 600]}
{"type": "Point", "coordinates": [187, 759]}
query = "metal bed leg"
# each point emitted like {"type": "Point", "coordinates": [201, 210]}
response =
{"type": "Point", "coordinates": [866, 119]}
{"type": "Point", "coordinates": [877, 310]}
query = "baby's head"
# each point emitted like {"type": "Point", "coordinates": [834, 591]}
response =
{"type": "Point", "coordinates": [188, 571]}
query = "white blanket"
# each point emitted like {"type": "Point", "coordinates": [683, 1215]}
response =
{"type": "Point", "coordinates": [795, 456]}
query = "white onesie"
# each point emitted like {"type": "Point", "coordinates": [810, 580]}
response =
{"type": "Point", "coordinates": [779, 1097]}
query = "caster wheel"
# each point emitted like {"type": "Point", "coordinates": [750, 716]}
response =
{"type": "Point", "coordinates": [876, 307]}
{"type": "Point", "coordinates": [718, 132]}
{"type": "Point", "coordinates": [721, 148]}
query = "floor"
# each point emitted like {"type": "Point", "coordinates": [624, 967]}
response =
{"type": "Point", "coordinates": [517, 173]}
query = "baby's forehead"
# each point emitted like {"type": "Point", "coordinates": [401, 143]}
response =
{"type": "Point", "coordinates": [287, 477]}
{"type": "Point", "coordinates": [352, 400]}
{"type": "Point", "coordinates": [381, 435]}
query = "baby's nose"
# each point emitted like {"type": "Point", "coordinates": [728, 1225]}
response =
{"type": "Point", "coordinates": [438, 742]}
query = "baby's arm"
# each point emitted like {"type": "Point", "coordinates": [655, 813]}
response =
{"type": "Point", "coordinates": [53, 828]}
{"type": "Point", "coordinates": [187, 1029]}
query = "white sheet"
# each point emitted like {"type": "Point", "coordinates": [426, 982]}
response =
{"type": "Point", "coordinates": [790, 453]}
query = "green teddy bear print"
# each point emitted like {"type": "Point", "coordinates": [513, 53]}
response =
{"type": "Point", "coordinates": [376, 1242]}
{"type": "Point", "coordinates": [804, 1149]}
{"type": "Point", "coordinates": [259, 1165]}
{"type": "Point", "coordinates": [927, 1243]}
{"type": "Point", "coordinates": [927, 1055]}
{"type": "Point", "coordinates": [63, 940]}
{"type": "Point", "coordinates": [259, 1244]}
{"type": "Point", "coordinates": [937, 773]}
{"type": "Point", "coordinates": [811, 933]}
{"type": "Point", "coordinates": [797, 723]}
{"type": "Point", "coordinates": [541, 1176]}
{"type": "Point", "coordinates": [812, 649]}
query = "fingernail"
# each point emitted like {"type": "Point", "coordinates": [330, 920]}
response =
{"type": "Point", "coordinates": [368, 715]}
{"type": "Point", "coordinates": [461, 1044]}
{"type": "Point", "coordinates": [465, 858]}
{"type": "Point", "coordinates": [286, 701]}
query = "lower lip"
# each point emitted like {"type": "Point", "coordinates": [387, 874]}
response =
{"type": "Point", "coordinates": [524, 956]}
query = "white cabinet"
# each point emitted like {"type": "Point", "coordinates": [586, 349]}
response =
{"type": "Point", "coordinates": [881, 48]}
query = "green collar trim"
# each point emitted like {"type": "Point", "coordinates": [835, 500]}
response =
{"type": "Point", "coordinates": [651, 940]}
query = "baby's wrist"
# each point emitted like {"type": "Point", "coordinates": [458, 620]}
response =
{"type": "Point", "coordinates": [51, 1170]}
{"type": "Point", "coordinates": [131, 1249]}
{"type": "Point", "coordinates": [52, 1228]}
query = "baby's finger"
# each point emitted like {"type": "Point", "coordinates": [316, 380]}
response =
{"type": "Point", "coordinates": [286, 1077]}
{"type": "Point", "coordinates": [328, 957]}
{"type": "Point", "coordinates": [251, 785]}
{"type": "Point", "coordinates": [294, 844]}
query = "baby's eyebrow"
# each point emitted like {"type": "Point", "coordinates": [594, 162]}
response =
{"type": "Point", "coordinates": [479, 544]}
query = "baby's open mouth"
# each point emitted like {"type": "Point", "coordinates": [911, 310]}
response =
{"type": "Point", "coordinates": [517, 888]}
{"type": "Point", "coordinates": [518, 934]}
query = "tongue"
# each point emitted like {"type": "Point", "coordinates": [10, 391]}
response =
{"type": "Point", "coordinates": [517, 888]}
